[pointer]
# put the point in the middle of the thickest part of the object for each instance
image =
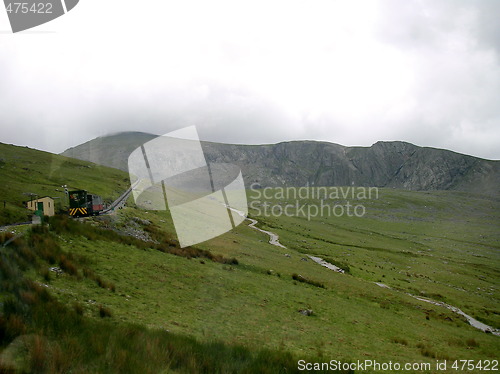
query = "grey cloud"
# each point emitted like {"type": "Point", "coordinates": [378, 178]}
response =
{"type": "Point", "coordinates": [430, 24]}
{"type": "Point", "coordinates": [52, 101]}
{"type": "Point", "coordinates": [487, 26]}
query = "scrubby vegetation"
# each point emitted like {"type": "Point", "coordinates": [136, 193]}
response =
{"type": "Point", "coordinates": [117, 292]}
{"type": "Point", "coordinates": [60, 339]}
{"type": "Point", "coordinates": [162, 241]}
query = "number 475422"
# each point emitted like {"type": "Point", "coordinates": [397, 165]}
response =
{"type": "Point", "coordinates": [25, 8]}
{"type": "Point", "coordinates": [484, 365]}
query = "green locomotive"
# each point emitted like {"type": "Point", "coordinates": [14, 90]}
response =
{"type": "Point", "coordinates": [84, 204]}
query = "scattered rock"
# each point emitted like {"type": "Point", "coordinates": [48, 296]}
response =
{"type": "Point", "coordinates": [287, 255]}
{"type": "Point", "coordinates": [56, 270]}
{"type": "Point", "coordinates": [306, 312]}
{"type": "Point", "coordinates": [143, 222]}
{"type": "Point", "coordinates": [135, 233]}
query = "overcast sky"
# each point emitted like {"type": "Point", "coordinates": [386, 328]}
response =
{"type": "Point", "coordinates": [349, 72]}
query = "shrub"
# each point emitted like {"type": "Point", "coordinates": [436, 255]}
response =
{"type": "Point", "coordinates": [426, 352]}
{"type": "Point", "coordinates": [300, 278]}
{"type": "Point", "coordinates": [61, 340]}
{"type": "Point", "coordinates": [45, 273]}
{"type": "Point", "coordinates": [67, 266]}
{"type": "Point", "coordinates": [78, 308]}
{"type": "Point", "coordinates": [38, 354]}
{"type": "Point", "coordinates": [28, 297]}
{"type": "Point", "coordinates": [27, 254]}
{"type": "Point", "coordinates": [88, 273]}
{"type": "Point", "coordinates": [104, 312]}
{"type": "Point", "coordinates": [401, 341]}
{"type": "Point", "coordinates": [11, 327]}
{"type": "Point", "coordinates": [471, 342]}
{"type": "Point", "coordinates": [100, 282]}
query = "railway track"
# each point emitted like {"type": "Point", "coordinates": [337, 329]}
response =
{"type": "Point", "coordinates": [118, 203]}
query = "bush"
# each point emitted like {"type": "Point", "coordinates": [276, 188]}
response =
{"type": "Point", "coordinates": [300, 278]}
{"type": "Point", "coordinates": [471, 342]}
{"type": "Point", "coordinates": [161, 240]}
{"type": "Point", "coordinates": [401, 341]}
{"type": "Point", "coordinates": [104, 312]}
{"type": "Point", "coordinates": [88, 273]}
{"type": "Point", "coordinates": [78, 308]}
{"type": "Point", "coordinates": [67, 266]}
{"type": "Point", "coordinates": [11, 327]}
{"type": "Point", "coordinates": [61, 340]}
{"type": "Point", "coordinates": [45, 273]}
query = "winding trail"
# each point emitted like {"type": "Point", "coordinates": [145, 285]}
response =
{"type": "Point", "coordinates": [274, 240]}
{"type": "Point", "coordinates": [327, 265]}
{"type": "Point", "coordinates": [472, 321]}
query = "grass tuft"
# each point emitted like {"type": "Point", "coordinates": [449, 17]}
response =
{"type": "Point", "coordinates": [300, 278]}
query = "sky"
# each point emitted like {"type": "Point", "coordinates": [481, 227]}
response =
{"type": "Point", "coordinates": [254, 72]}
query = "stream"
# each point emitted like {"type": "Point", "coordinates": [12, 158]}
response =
{"type": "Point", "coordinates": [472, 321]}
{"type": "Point", "coordinates": [274, 240]}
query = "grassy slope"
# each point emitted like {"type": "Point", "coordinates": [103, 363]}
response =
{"type": "Point", "coordinates": [38, 334]}
{"type": "Point", "coordinates": [441, 244]}
{"type": "Point", "coordinates": [444, 245]}
{"type": "Point", "coordinates": [25, 170]}
{"type": "Point", "coordinates": [353, 318]}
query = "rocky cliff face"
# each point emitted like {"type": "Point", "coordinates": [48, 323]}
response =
{"type": "Point", "coordinates": [384, 164]}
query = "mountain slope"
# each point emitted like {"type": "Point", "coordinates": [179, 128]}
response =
{"type": "Point", "coordinates": [24, 170]}
{"type": "Point", "coordinates": [420, 243]}
{"type": "Point", "coordinates": [299, 163]}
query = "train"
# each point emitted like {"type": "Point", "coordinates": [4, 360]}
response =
{"type": "Point", "coordinates": [84, 204]}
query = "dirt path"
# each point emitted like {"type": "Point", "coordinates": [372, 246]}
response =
{"type": "Point", "coordinates": [274, 240]}
{"type": "Point", "coordinates": [472, 321]}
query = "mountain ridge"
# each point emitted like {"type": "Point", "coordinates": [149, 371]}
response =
{"type": "Point", "coordinates": [392, 164]}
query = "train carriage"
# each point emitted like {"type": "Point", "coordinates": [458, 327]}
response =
{"type": "Point", "coordinates": [84, 204]}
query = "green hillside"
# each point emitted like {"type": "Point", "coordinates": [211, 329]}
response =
{"type": "Point", "coordinates": [24, 170]}
{"type": "Point", "coordinates": [129, 299]}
